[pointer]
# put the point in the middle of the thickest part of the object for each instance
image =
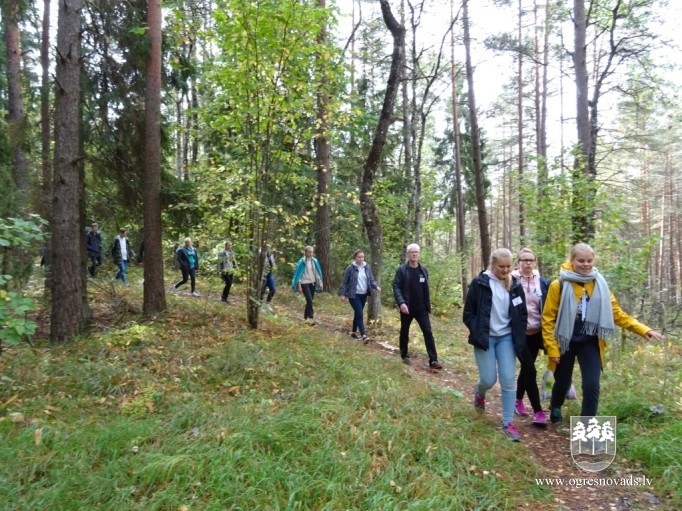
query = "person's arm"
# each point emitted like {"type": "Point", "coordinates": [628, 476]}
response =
{"type": "Point", "coordinates": [470, 306]}
{"type": "Point", "coordinates": [398, 287]}
{"type": "Point", "coordinates": [624, 320]}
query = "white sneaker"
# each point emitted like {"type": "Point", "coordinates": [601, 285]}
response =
{"type": "Point", "coordinates": [173, 289]}
{"type": "Point", "coordinates": [194, 293]}
{"type": "Point", "coordinates": [271, 309]}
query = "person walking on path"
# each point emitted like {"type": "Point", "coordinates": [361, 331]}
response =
{"type": "Point", "coordinates": [535, 289]}
{"type": "Point", "coordinates": [227, 265]}
{"type": "Point", "coordinates": [94, 247]}
{"type": "Point", "coordinates": [496, 316]}
{"type": "Point", "coordinates": [122, 254]}
{"type": "Point", "coordinates": [411, 293]}
{"type": "Point", "coordinates": [188, 259]}
{"type": "Point", "coordinates": [356, 285]}
{"type": "Point", "coordinates": [307, 279]}
{"type": "Point", "coordinates": [268, 278]}
{"type": "Point", "coordinates": [579, 316]}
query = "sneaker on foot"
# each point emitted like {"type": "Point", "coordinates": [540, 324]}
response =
{"type": "Point", "coordinates": [354, 335]}
{"type": "Point", "coordinates": [479, 401]}
{"type": "Point", "coordinates": [511, 432]}
{"type": "Point", "coordinates": [271, 310]}
{"type": "Point", "coordinates": [365, 339]}
{"type": "Point", "coordinates": [194, 293]}
{"type": "Point", "coordinates": [520, 408]}
{"type": "Point", "coordinates": [539, 419]}
{"type": "Point", "coordinates": [555, 416]}
{"type": "Point", "coordinates": [434, 364]}
{"type": "Point", "coordinates": [407, 361]}
{"type": "Point", "coordinates": [173, 289]}
{"type": "Point", "coordinates": [571, 394]}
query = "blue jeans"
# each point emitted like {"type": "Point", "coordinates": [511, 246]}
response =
{"type": "Point", "coordinates": [121, 273]}
{"type": "Point", "coordinates": [269, 284]}
{"type": "Point", "coordinates": [500, 358]}
{"type": "Point", "coordinates": [358, 304]}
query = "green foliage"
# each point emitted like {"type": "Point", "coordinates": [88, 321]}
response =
{"type": "Point", "coordinates": [18, 241]}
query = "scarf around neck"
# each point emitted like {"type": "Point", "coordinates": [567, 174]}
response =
{"type": "Point", "coordinates": [599, 316]}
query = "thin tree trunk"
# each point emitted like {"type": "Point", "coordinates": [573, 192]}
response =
{"type": "Point", "coordinates": [323, 170]}
{"type": "Point", "coordinates": [457, 161]}
{"type": "Point", "coordinates": [522, 220]}
{"type": "Point", "coordinates": [476, 147]}
{"type": "Point", "coordinates": [154, 297]}
{"type": "Point", "coordinates": [16, 114]}
{"type": "Point", "coordinates": [370, 216]}
{"type": "Point", "coordinates": [583, 213]}
{"type": "Point", "coordinates": [67, 239]}
{"type": "Point", "coordinates": [408, 235]}
{"type": "Point", "coordinates": [45, 134]}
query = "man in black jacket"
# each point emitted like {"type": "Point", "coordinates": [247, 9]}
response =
{"type": "Point", "coordinates": [411, 292]}
{"type": "Point", "coordinates": [94, 247]}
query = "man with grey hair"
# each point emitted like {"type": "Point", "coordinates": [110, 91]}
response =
{"type": "Point", "coordinates": [411, 292]}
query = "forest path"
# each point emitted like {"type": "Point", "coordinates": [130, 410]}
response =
{"type": "Point", "coordinates": [549, 447]}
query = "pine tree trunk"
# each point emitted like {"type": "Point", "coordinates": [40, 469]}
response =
{"type": "Point", "coordinates": [67, 233]}
{"type": "Point", "coordinates": [154, 296]}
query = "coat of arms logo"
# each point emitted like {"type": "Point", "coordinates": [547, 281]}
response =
{"type": "Point", "coordinates": [593, 442]}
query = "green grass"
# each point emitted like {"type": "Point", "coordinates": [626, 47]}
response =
{"type": "Point", "coordinates": [194, 411]}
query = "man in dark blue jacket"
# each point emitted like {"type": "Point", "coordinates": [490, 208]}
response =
{"type": "Point", "coordinates": [94, 247]}
{"type": "Point", "coordinates": [411, 292]}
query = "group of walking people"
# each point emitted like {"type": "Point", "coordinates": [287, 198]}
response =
{"type": "Point", "coordinates": [510, 310]}
{"type": "Point", "coordinates": [514, 313]}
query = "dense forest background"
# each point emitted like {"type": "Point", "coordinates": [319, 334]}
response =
{"type": "Point", "coordinates": [341, 125]}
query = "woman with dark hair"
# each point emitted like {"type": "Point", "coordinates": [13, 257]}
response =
{"type": "Point", "coordinates": [356, 285]}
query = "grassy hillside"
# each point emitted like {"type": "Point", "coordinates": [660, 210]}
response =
{"type": "Point", "coordinates": [192, 410]}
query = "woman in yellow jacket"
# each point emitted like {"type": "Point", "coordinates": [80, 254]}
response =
{"type": "Point", "coordinates": [579, 315]}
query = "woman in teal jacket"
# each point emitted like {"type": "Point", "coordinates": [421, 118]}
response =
{"type": "Point", "coordinates": [307, 279]}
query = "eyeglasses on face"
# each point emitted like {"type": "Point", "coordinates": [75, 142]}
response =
{"type": "Point", "coordinates": [527, 260]}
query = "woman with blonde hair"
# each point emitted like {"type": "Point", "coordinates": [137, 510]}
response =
{"type": "Point", "coordinates": [580, 314]}
{"type": "Point", "coordinates": [495, 314]}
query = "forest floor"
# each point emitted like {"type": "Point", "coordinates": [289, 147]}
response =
{"type": "Point", "coordinates": [549, 447]}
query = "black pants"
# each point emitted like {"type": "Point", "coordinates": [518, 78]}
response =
{"type": "Point", "coordinates": [589, 360]}
{"type": "Point", "coordinates": [309, 293]}
{"type": "Point", "coordinates": [189, 274]}
{"type": "Point", "coordinates": [424, 322]}
{"type": "Point", "coordinates": [95, 261]}
{"type": "Point", "coordinates": [227, 279]}
{"type": "Point", "coordinates": [527, 381]}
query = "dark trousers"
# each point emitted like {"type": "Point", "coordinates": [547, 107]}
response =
{"type": "Point", "coordinates": [309, 293]}
{"type": "Point", "coordinates": [95, 261]}
{"type": "Point", "coordinates": [269, 284]}
{"type": "Point", "coordinates": [189, 274]}
{"type": "Point", "coordinates": [424, 322]}
{"type": "Point", "coordinates": [589, 360]}
{"type": "Point", "coordinates": [227, 279]}
{"type": "Point", "coordinates": [527, 381]}
{"type": "Point", "coordinates": [358, 304]}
